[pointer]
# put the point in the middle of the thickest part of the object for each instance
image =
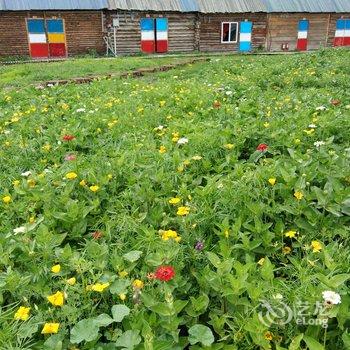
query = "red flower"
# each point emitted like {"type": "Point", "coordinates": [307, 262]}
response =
{"type": "Point", "coordinates": [262, 147]}
{"type": "Point", "coordinates": [165, 273]}
{"type": "Point", "coordinates": [68, 138]}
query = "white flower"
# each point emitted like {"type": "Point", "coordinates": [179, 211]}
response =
{"type": "Point", "coordinates": [321, 108]}
{"type": "Point", "coordinates": [26, 174]}
{"type": "Point", "coordinates": [196, 157]}
{"type": "Point", "coordinates": [6, 132]}
{"type": "Point", "coordinates": [229, 93]}
{"type": "Point", "coordinates": [331, 297]}
{"type": "Point", "coordinates": [81, 110]}
{"type": "Point", "coordinates": [312, 126]}
{"type": "Point", "coordinates": [220, 185]}
{"type": "Point", "coordinates": [319, 143]}
{"type": "Point", "coordinates": [278, 296]}
{"type": "Point", "coordinates": [21, 229]}
{"type": "Point", "coordinates": [182, 141]}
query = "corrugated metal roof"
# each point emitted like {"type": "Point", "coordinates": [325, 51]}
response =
{"type": "Point", "coordinates": [232, 6]}
{"type": "Point", "coordinates": [307, 5]}
{"type": "Point", "coordinates": [203, 6]}
{"type": "Point", "coordinates": [152, 5]}
{"type": "Point", "coordinates": [20, 5]}
{"type": "Point", "coordinates": [225, 6]}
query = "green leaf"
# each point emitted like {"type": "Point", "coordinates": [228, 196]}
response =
{"type": "Point", "coordinates": [214, 259]}
{"type": "Point", "coordinates": [119, 286]}
{"type": "Point", "coordinates": [312, 343]}
{"type": "Point", "coordinates": [84, 330]}
{"type": "Point", "coordinates": [346, 340]}
{"type": "Point", "coordinates": [54, 342]}
{"type": "Point", "coordinates": [128, 340]}
{"type": "Point", "coordinates": [295, 344]}
{"type": "Point", "coordinates": [119, 312]}
{"type": "Point", "coordinates": [103, 320]}
{"type": "Point", "coordinates": [163, 309]}
{"type": "Point", "coordinates": [200, 334]}
{"type": "Point", "coordinates": [133, 255]}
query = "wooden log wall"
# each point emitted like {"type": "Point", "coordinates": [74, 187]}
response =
{"type": "Point", "coordinates": [181, 30]}
{"type": "Point", "coordinates": [283, 29]}
{"type": "Point", "coordinates": [210, 30]}
{"type": "Point", "coordinates": [83, 31]}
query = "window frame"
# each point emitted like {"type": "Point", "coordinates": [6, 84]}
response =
{"type": "Point", "coordinates": [230, 26]}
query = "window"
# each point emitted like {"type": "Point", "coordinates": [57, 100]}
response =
{"type": "Point", "coordinates": [229, 32]}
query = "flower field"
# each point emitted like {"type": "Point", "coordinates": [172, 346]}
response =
{"type": "Point", "coordinates": [202, 208]}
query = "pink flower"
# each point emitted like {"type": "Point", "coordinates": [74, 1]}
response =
{"type": "Point", "coordinates": [70, 157]}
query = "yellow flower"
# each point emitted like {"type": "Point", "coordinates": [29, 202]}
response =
{"type": "Point", "coordinates": [7, 199]}
{"type": "Point", "coordinates": [82, 183]}
{"type": "Point", "coordinates": [316, 246]}
{"type": "Point", "coordinates": [162, 150]}
{"type": "Point", "coordinates": [229, 146]}
{"type": "Point", "coordinates": [31, 183]}
{"type": "Point", "coordinates": [261, 261]}
{"type": "Point", "coordinates": [110, 176]}
{"type": "Point", "coordinates": [287, 250]}
{"type": "Point", "coordinates": [16, 183]}
{"type": "Point", "coordinates": [197, 157]}
{"type": "Point", "coordinates": [56, 299]}
{"type": "Point", "coordinates": [183, 211]}
{"type": "Point", "coordinates": [298, 195]}
{"type": "Point", "coordinates": [56, 268]}
{"type": "Point", "coordinates": [170, 234]}
{"type": "Point", "coordinates": [46, 148]}
{"type": "Point", "coordinates": [266, 124]}
{"type": "Point", "coordinates": [94, 188]}
{"type": "Point", "coordinates": [174, 200]}
{"type": "Point", "coordinates": [138, 284]}
{"type": "Point", "coordinates": [22, 313]}
{"type": "Point", "coordinates": [268, 336]}
{"type": "Point", "coordinates": [123, 274]}
{"type": "Point", "coordinates": [71, 176]}
{"type": "Point", "coordinates": [99, 287]}
{"type": "Point", "coordinates": [272, 181]}
{"type": "Point", "coordinates": [297, 141]}
{"type": "Point", "coordinates": [162, 103]}
{"type": "Point", "coordinates": [71, 281]}
{"type": "Point", "coordinates": [32, 219]}
{"type": "Point", "coordinates": [122, 296]}
{"type": "Point", "coordinates": [291, 234]}
{"type": "Point", "coordinates": [50, 328]}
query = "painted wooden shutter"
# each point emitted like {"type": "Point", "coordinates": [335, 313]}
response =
{"type": "Point", "coordinates": [245, 36]}
{"type": "Point", "coordinates": [57, 37]}
{"type": "Point", "coordinates": [162, 35]}
{"type": "Point", "coordinates": [339, 33]}
{"type": "Point", "coordinates": [37, 38]}
{"type": "Point", "coordinates": [303, 29]}
{"type": "Point", "coordinates": [347, 33]}
{"type": "Point", "coordinates": [147, 35]}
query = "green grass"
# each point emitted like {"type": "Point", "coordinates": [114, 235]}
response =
{"type": "Point", "coordinates": [20, 75]}
{"type": "Point", "coordinates": [259, 227]}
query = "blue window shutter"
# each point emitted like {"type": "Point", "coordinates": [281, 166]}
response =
{"type": "Point", "coordinates": [147, 24]}
{"type": "Point", "coordinates": [303, 25]}
{"type": "Point", "coordinates": [162, 24]}
{"type": "Point", "coordinates": [36, 26]}
{"type": "Point", "coordinates": [55, 26]}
